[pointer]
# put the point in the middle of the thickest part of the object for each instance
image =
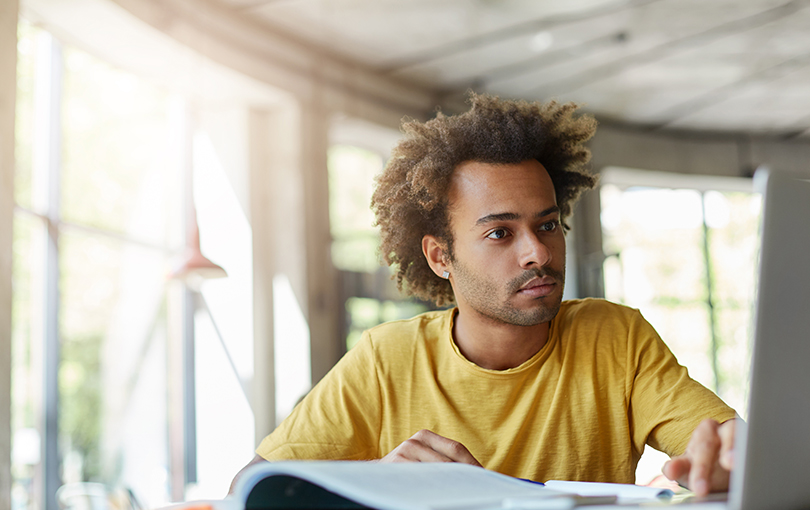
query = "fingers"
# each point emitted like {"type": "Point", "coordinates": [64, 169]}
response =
{"type": "Point", "coordinates": [726, 432]}
{"type": "Point", "coordinates": [677, 469]}
{"type": "Point", "coordinates": [704, 453]}
{"type": "Point", "coordinates": [453, 450]}
{"type": "Point", "coordinates": [708, 459]}
{"type": "Point", "coordinates": [427, 446]}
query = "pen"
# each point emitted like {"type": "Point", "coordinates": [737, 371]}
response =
{"type": "Point", "coordinates": [541, 484]}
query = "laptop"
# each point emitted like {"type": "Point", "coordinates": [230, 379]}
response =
{"type": "Point", "coordinates": [772, 453]}
{"type": "Point", "coordinates": [772, 449]}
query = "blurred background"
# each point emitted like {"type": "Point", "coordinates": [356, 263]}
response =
{"type": "Point", "coordinates": [184, 187]}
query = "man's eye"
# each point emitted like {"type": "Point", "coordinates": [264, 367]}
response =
{"type": "Point", "coordinates": [550, 226]}
{"type": "Point", "coordinates": [499, 233]}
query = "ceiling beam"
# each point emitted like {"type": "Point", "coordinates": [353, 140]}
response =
{"type": "Point", "coordinates": [253, 48]}
{"type": "Point", "coordinates": [545, 59]}
{"type": "Point", "coordinates": [667, 48]}
{"type": "Point", "coordinates": [207, 38]}
{"type": "Point", "coordinates": [504, 34]}
{"type": "Point", "coordinates": [725, 92]}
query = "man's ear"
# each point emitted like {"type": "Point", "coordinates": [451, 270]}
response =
{"type": "Point", "coordinates": [433, 250]}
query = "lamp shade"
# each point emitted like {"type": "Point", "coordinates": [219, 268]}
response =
{"type": "Point", "coordinates": [193, 266]}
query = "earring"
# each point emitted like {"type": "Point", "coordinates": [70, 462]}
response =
{"type": "Point", "coordinates": [445, 275]}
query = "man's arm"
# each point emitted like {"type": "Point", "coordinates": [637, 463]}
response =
{"type": "Point", "coordinates": [256, 460]}
{"type": "Point", "coordinates": [708, 460]}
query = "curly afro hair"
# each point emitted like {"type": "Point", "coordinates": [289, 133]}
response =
{"type": "Point", "coordinates": [411, 196]}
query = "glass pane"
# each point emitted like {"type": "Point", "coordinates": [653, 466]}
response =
{"type": "Point", "coordinates": [27, 302]}
{"type": "Point", "coordinates": [654, 239]}
{"type": "Point", "coordinates": [112, 376]}
{"type": "Point", "coordinates": [733, 220]}
{"type": "Point", "coordinates": [357, 254]}
{"type": "Point", "coordinates": [657, 234]}
{"type": "Point", "coordinates": [223, 329]}
{"type": "Point", "coordinates": [669, 271]}
{"type": "Point", "coordinates": [224, 424]}
{"type": "Point", "coordinates": [115, 148]}
{"type": "Point", "coordinates": [734, 331]}
{"type": "Point", "coordinates": [24, 128]}
{"type": "Point", "coordinates": [351, 184]}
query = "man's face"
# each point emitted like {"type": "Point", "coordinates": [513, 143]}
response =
{"type": "Point", "coordinates": [508, 261]}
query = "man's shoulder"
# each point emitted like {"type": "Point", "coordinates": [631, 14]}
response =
{"type": "Point", "coordinates": [595, 305]}
{"type": "Point", "coordinates": [595, 310]}
{"type": "Point", "coordinates": [426, 325]}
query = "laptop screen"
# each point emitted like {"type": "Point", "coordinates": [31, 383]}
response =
{"type": "Point", "coordinates": [773, 454]}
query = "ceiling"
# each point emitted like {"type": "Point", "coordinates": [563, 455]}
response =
{"type": "Point", "coordinates": [709, 65]}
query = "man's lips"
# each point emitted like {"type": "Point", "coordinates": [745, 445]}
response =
{"type": "Point", "coordinates": [538, 282]}
{"type": "Point", "coordinates": [537, 287]}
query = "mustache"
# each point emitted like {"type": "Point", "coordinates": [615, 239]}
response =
{"type": "Point", "coordinates": [531, 274]}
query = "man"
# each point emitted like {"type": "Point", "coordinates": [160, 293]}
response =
{"type": "Point", "coordinates": [472, 211]}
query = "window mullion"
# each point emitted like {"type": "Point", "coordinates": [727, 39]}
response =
{"type": "Point", "coordinates": [47, 168]}
{"type": "Point", "coordinates": [709, 295]}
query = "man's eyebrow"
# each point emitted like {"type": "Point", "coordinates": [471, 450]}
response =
{"type": "Point", "coordinates": [496, 217]}
{"type": "Point", "coordinates": [551, 210]}
{"type": "Point", "coordinates": [514, 216]}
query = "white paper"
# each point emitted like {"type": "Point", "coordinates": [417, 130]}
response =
{"type": "Point", "coordinates": [623, 492]}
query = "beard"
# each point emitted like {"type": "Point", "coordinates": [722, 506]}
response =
{"type": "Point", "coordinates": [483, 296]}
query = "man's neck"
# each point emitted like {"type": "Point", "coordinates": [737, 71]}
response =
{"type": "Point", "coordinates": [496, 345]}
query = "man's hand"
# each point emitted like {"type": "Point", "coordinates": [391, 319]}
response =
{"type": "Point", "coordinates": [427, 446]}
{"type": "Point", "coordinates": [709, 458]}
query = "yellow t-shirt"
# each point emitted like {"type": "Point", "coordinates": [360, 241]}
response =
{"type": "Point", "coordinates": [582, 408]}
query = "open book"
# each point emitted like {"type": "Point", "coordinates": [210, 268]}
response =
{"type": "Point", "coordinates": [328, 485]}
{"type": "Point", "coordinates": [407, 486]}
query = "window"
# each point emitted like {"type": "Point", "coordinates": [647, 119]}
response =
{"type": "Point", "coordinates": [369, 294]}
{"type": "Point", "coordinates": [96, 224]}
{"type": "Point", "coordinates": [684, 253]}
{"type": "Point", "coordinates": [351, 184]}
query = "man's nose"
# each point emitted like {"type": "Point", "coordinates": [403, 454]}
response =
{"type": "Point", "coordinates": [533, 252]}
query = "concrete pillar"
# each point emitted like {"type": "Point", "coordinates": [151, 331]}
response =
{"type": "Point", "coordinates": [587, 232]}
{"type": "Point", "coordinates": [263, 204]}
{"type": "Point", "coordinates": [9, 11]}
{"type": "Point", "coordinates": [323, 313]}
{"type": "Point", "coordinates": [289, 215]}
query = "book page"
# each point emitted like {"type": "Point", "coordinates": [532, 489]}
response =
{"type": "Point", "coordinates": [406, 486]}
